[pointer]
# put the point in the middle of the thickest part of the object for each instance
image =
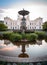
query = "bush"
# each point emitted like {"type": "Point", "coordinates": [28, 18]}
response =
{"type": "Point", "coordinates": [15, 37]}
{"type": "Point", "coordinates": [23, 36]}
{"type": "Point", "coordinates": [46, 37]}
{"type": "Point", "coordinates": [6, 35]}
{"type": "Point", "coordinates": [45, 26]}
{"type": "Point", "coordinates": [41, 35]}
{"type": "Point", "coordinates": [31, 37]}
{"type": "Point", "coordinates": [3, 27]}
{"type": "Point", "coordinates": [27, 36]}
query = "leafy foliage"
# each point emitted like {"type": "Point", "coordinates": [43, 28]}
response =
{"type": "Point", "coordinates": [45, 26]}
{"type": "Point", "coordinates": [41, 35]}
{"type": "Point", "coordinates": [15, 37]}
{"type": "Point", "coordinates": [31, 37]}
{"type": "Point", "coordinates": [3, 27]}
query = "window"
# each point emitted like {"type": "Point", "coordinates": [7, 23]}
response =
{"type": "Point", "coordinates": [15, 27]}
{"type": "Point", "coordinates": [6, 22]}
{"type": "Point", "coordinates": [30, 27]}
{"type": "Point", "coordinates": [40, 27]}
{"type": "Point", "coordinates": [40, 23]}
{"type": "Point", "coordinates": [35, 27]}
{"type": "Point", "coordinates": [30, 23]}
{"type": "Point", "coordinates": [11, 27]}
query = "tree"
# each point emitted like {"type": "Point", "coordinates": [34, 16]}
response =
{"type": "Point", "coordinates": [3, 27]}
{"type": "Point", "coordinates": [45, 26]}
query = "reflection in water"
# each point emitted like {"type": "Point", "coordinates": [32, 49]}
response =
{"type": "Point", "coordinates": [23, 50]}
{"type": "Point", "coordinates": [39, 42]}
{"type": "Point", "coordinates": [23, 54]}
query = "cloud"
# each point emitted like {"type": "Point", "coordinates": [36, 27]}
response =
{"type": "Point", "coordinates": [36, 10]}
{"type": "Point", "coordinates": [1, 11]}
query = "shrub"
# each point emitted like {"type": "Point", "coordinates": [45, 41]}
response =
{"type": "Point", "coordinates": [15, 37]}
{"type": "Point", "coordinates": [41, 35]}
{"type": "Point", "coordinates": [45, 26]}
{"type": "Point", "coordinates": [23, 36]}
{"type": "Point", "coordinates": [6, 35]}
{"type": "Point", "coordinates": [27, 36]}
{"type": "Point", "coordinates": [46, 37]}
{"type": "Point", "coordinates": [3, 27]}
{"type": "Point", "coordinates": [31, 37]}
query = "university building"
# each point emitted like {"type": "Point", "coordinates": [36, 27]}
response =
{"type": "Point", "coordinates": [30, 24]}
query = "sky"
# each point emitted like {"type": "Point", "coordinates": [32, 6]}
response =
{"type": "Point", "coordinates": [10, 8]}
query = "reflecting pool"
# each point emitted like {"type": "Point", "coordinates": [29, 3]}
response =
{"type": "Point", "coordinates": [23, 51]}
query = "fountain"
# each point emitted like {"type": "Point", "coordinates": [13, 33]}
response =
{"type": "Point", "coordinates": [23, 23]}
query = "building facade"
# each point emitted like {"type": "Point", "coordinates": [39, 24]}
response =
{"type": "Point", "coordinates": [30, 24]}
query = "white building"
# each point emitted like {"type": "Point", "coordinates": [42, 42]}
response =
{"type": "Point", "coordinates": [11, 24]}
{"type": "Point", "coordinates": [36, 24]}
{"type": "Point", "coordinates": [30, 24]}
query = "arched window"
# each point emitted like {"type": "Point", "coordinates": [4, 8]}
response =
{"type": "Point", "coordinates": [6, 22]}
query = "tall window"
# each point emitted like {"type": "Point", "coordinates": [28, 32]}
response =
{"type": "Point", "coordinates": [6, 22]}
{"type": "Point", "coordinates": [35, 27]}
{"type": "Point", "coordinates": [15, 27]}
{"type": "Point", "coordinates": [30, 23]}
{"type": "Point", "coordinates": [11, 27]}
{"type": "Point", "coordinates": [40, 23]}
{"type": "Point", "coordinates": [30, 27]}
{"type": "Point", "coordinates": [40, 27]}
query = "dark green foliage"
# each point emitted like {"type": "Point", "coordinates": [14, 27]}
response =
{"type": "Point", "coordinates": [46, 37]}
{"type": "Point", "coordinates": [27, 36]}
{"type": "Point", "coordinates": [15, 37]}
{"type": "Point", "coordinates": [41, 35]}
{"type": "Point", "coordinates": [2, 63]}
{"type": "Point", "coordinates": [45, 26]}
{"type": "Point", "coordinates": [3, 27]}
{"type": "Point", "coordinates": [31, 37]}
{"type": "Point", "coordinates": [44, 63]}
{"type": "Point", "coordinates": [23, 36]}
{"type": "Point", "coordinates": [6, 35]}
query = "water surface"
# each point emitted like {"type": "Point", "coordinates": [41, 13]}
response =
{"type": "Point", "coordinates": [9, 49]}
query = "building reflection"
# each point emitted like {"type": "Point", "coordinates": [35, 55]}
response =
{"type": "Point", "coordinates": [39, 42]}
